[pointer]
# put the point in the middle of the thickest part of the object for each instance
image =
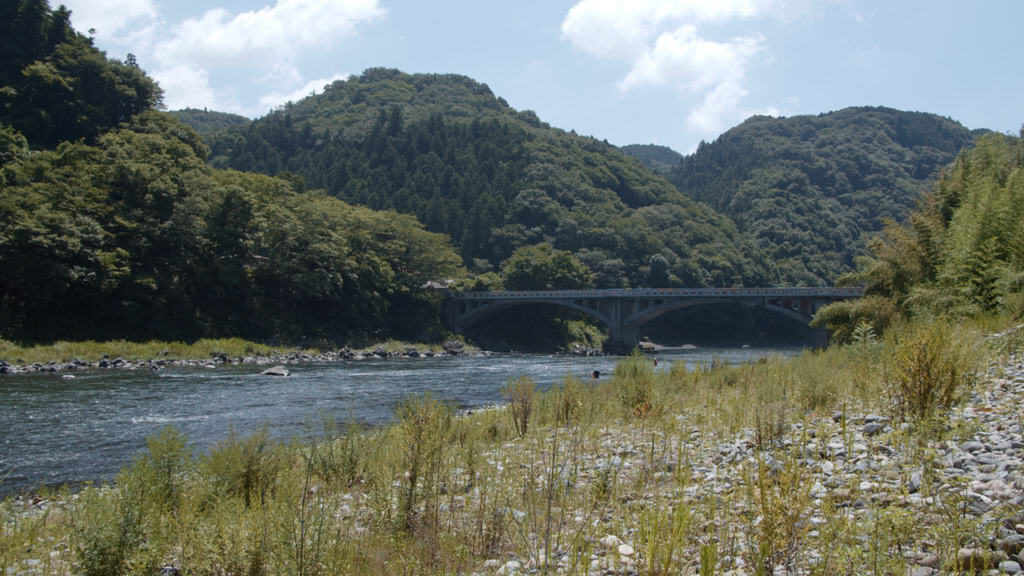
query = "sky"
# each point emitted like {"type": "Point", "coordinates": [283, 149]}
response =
{"type": "Point", "coordinates": [668, 72]}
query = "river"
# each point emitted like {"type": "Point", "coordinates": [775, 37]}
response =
{"type": "Point", "coordinates": [56, 431]}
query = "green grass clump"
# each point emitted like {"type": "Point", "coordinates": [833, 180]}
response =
{"type": "Point", "coordinates": [927, 371]}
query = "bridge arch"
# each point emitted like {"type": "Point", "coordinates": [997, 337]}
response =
{"type": "Point", "coordinates": [474, 316]}
{"type": "Point", "coordinates": [643, 317]}
{"type": "Point", "coordinates": [625, 311]}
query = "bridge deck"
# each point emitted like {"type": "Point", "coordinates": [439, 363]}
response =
{"type": "Point", "coordinates": [673, 293]}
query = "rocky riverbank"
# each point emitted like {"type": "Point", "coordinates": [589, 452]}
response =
{"type": "Point", "coordinates": [164, 360]}
{"type": "Point", "coordinates": [846, 492]}
{"type": "Point", "coordinates": [449, 348]}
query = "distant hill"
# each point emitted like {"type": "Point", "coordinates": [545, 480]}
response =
{"type": "Point", "coordinates": [207, 122]}
{"type": "Point", "coordinates": [445, 148]}
{"type": "Point", "coordinates": [809, 189]}
{"type": "Point", "coordinates": [660, 159]}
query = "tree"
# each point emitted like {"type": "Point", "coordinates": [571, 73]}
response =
{"type": "Point", "coordinates": [540, 267]}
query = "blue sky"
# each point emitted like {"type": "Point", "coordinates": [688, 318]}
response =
{"type": "Point", "coordinates": [629, 71]}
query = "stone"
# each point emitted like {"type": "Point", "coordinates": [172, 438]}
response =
{"type": "Point", "coordinates": [454, 347]}
{"type": "Point", "coordinates": [275, 371]}
{"type": "Point", "coordinates": [921, 571]}
{"type": "Point", "coordinates": [169, 570]}
{"type": "Point", "coordinates": [915, 483]}
{"type": "Point", "coordinates": [872, 428]}
{"type": "Point", "coordinates": [972, 446]}
{"type": "Point", "coordinates": [625, 550]}
{"type": "Point", "coordinates": [610, 541]}
{"type": "Point", "coordinates": [1009, 567]}
{"type": "Point", "coordinates": [510, 567]}
{"type": "Point", "coordinates": [978, 559]}
{"type": "Point", "coordinates": [929, 560]}
{"type": "Point", "coordinates": [1012, 544]}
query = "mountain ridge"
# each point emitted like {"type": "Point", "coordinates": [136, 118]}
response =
{"type": "Point", "coordinates": [445, 148]}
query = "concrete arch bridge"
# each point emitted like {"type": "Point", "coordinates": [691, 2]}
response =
{"type": "Point", "coordinates": [626, 311]}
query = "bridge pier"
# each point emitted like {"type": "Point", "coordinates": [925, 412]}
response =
{"type": "Point", "coordinates": [621, 339]}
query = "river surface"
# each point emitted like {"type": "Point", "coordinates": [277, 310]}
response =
{"type": "Point", "coordinates": [56, 431]}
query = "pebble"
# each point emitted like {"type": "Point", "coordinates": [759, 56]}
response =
{"type": "Point", "coordinates": [1009, 567]}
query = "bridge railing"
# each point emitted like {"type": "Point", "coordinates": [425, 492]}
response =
{"type": "Point", "coordinates": [832, 293]}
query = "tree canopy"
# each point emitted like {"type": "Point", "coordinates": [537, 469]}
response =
{"type": "Point", "coordinates": [810, 190]}
{"type": "Point", "coordinates": [112, 224]}
{"type": "Point", "coordinates": [961, 252]}
{"type": "Point", "coordinates": [540, 267]}
{"type": "Point", "coordinates": [444, 148]}
{"type": "Point", "coordinates": [55, 86]}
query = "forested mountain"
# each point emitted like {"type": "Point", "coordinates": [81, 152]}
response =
{"type": "Point", "coordinates": [960, 254]}
{"type": "Point", "coordinates": [444, 148]}
{"type": "Point", "coordinates": [810, 189]}
{"type": "Point", "coordinates": [208, 122]}
{"type": "Point", "coordinates": [55, 85]}
{"type": "Point", "coordinates": [113, 225]}
{"type": "Point", "coordinates": [660, 159]}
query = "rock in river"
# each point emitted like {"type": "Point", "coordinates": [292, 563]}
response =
{"type": "Point", "coordinates": [276, 371]}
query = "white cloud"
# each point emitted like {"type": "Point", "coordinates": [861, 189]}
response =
{"type": "Point", "coordinates": [269, 101]}
{"type": "Point", "coordinates": [262, 46]}
{"type": "Point", "coordinates": [684, 58]}
{"type": "Point", "coordinates": [663, 44]}
{"type": "Point", "coordinates": [186, 87]}
{"type": "Point", "coordinates": [264, 38]}
{"type": "Point", "coordinates": [111, 19]}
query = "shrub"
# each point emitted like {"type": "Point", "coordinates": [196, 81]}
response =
{"type": "Point", "coordinates": [927, 372]}
{"type": "Point", "coordinates": [107, 531]}
{"type": "Point", "coordinates": [779, 505]}
{"type": "Point", "coordinates": [520, 394]}
{"type": "Point", "coordinates": [635, 379]}
{"type": "Point", "coordinates": [424, 424]}
{"type": "Point", "coordinates": [156, 478]}
{"type": "Point", "coordinates": [570, 400]}
{"type": "Point", "coordinates": [243, 467]}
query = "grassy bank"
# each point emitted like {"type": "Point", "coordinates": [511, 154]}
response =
{"type": "Point", "coordinates": [90, 351]}
{"type": "Point", "coordinates": [654, 472]}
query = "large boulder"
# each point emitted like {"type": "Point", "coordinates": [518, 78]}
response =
{"type": "Point", "coordinates": [454, 347]}
{"type": "Point", "coordinates": [276, 371]}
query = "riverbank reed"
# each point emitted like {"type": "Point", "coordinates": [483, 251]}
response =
{"type": "Point", "coordinates": [673, 471]}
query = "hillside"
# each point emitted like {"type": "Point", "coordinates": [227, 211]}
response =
{"type": "Point", "coordinates": [445, 148]}
{"type": "Point", "coordinates": [208, 122]}
{"type": "Point", "coordinates": [112, 225]}
{"type": "Point", "coordinates": [660, 159]}
{"type": "Point", "coordinates": [810, 189]}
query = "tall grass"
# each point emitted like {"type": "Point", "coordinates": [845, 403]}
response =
{"type": "Point", "coordinates": [436, 494]}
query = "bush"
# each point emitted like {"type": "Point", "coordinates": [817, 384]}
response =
{"type": "Point", "coordinates": [520, 394]}
{"type": "Point", "coordinates": [424, 424]}
{"type": "Point", "coordinates": [927, 372]}
{"type": "Point", "coordinates": [635, 379]}
{"type": "Point", "coordinates": [570, 400]}
{"type": "Point", "coordinates": [107, 531]}
{"type": "Point", "coordinates": [243, 467]}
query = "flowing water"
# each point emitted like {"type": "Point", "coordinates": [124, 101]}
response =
{"type": "Point", "coordinates": [57, 431]}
